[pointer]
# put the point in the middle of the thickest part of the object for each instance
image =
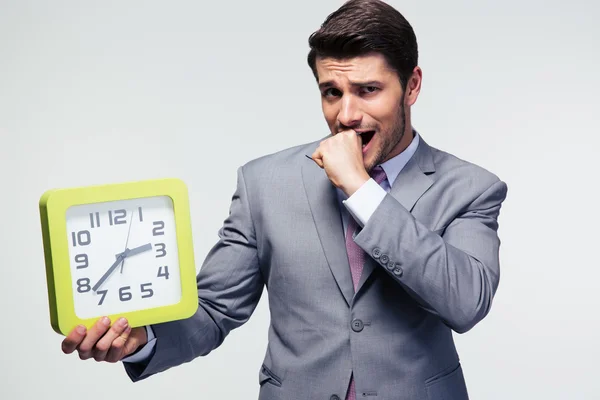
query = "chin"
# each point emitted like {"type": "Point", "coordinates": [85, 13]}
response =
{"type": "Point", "coordinates": [370, 159]}
{"type": "Point", "coordinates": [369, 165]}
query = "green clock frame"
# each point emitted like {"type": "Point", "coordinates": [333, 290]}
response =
{"type": "Point", "coordinates": [53, 206]}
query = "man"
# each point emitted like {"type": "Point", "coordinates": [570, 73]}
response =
{"type": "Point", "coordinates": [373, 250]}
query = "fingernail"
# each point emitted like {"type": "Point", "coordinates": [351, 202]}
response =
{"type": "Point", "coordinates": [105, 321]}
{"type": "Point", "coordinates": [122, 322]}
{"type": "Point", "coordinates": [81, 329]}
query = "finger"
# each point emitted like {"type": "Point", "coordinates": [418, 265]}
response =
{"type": "Point", "coordinates": [73, 339]}
{"type": "Point", "coordinates": [319, 162]}
{"type": "Point", "coordinates": [105, 343]}
{"type": "Point", "coordinates": [360, 142]}
{"type": "Point", "coordinates": [359, 136]}
{"type": "Point", "coordinates": [119, 346]}
{"type": "Point", "coordinates": [137, 338]}
{"type": "Point", "coordinates": [317, 156]}
{"type": "Point", "coordinates": [94, 334]}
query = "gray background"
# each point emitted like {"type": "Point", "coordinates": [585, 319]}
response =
{"type": "Point", "coordinates": [111, 91]}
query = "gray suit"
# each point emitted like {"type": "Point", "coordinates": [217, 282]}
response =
{"type": "Point", "coordinates": [432, 268]}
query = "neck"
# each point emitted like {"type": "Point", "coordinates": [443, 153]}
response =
{"type": "Point", "coordinates": [406, 140]}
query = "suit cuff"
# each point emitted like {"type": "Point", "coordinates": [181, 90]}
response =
{"type": "Point", "coordinates": [363, 203]}
{"type": "Point", "coordinates": [146, 351]}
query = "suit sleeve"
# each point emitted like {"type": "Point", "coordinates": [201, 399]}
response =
{"type": "Point", "coordinates": [452, 273]}
{"type": "Point", "coordinates": [229, 288]}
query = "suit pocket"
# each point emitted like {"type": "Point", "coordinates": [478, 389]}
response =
{"type": "Point", "coordinates": [267, 376]}
{"type": "Point", "coordinates": [448, 385]}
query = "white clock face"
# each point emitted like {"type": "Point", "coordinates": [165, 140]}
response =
{"type": "Point", "coordinates": [123, 256]}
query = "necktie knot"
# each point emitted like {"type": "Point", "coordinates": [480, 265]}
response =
{"type": "Point", "coordinates": [378, 174]}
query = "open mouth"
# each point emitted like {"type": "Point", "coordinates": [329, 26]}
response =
{"type": "Point", "coordinates": [366, 137]}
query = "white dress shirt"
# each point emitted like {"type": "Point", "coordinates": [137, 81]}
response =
{"type": "Point", "coordinates": [361, 205]}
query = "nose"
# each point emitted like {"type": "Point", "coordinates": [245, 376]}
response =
{"type": "Point", "coordinates": [349, 114]}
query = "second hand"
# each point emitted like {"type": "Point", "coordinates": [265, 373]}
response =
{"type": "Point", "coordinates": [127, 240]}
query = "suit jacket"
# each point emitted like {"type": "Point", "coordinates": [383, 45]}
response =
{"type": "Point", "coordinates": [432, 268]}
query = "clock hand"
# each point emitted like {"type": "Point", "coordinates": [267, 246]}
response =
{"type": "Point", "coordinates": [135, 250]}
{"type": "Point", "coordinates": [127, 241]}
{"type": "Point", "coordinates": [120, 258]}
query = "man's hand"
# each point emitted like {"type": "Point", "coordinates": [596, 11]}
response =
{"type": "Point", "coordinates": [104, 342]}
{"type": "Point", "coordinates": [342, 159]}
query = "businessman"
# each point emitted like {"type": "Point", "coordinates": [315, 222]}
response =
{"type": "Point", "coordinates": [373, 245]}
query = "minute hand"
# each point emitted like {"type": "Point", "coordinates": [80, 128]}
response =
{"type": "Point", "coordinates": [120, 258]}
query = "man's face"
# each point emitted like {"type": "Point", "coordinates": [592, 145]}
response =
{"type": "Point", "coordinates": [364, 94]}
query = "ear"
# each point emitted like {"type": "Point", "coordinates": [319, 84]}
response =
{"type": "Point", "coordinates": [413, 86]}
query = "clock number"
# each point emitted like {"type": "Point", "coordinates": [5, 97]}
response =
{"type": "Point", "coordinates": [159, 230]}
{"type": "Point", "coordinates": [83, 259]}
{"type": "Point", "coordinates": [141, 216]}
{"type": "Point", "coordinates": [161, 273]}
{"type": "Point", "coordinates": [124, 295]}
{"type": "Point", "coordinates": [144, 287]}
{"type": "Point", "coordinates": [118, 218]}
{"type": "Point", "coordinates": [103, 293]}
{"type": "Point", "coordinates": [82, 238]}
{"type": "Point", "coordinates": [95, 220]}
{"type": "Point", "coordinates": [162, 250]}
{"type": "Point", "coordinates": [83, 285]}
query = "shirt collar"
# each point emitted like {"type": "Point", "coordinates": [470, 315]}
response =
{"type": "Point", "coordinates": [394, 166]}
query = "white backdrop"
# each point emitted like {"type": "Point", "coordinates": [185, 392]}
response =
{"type": "Point", "coordinates": [111, 91]}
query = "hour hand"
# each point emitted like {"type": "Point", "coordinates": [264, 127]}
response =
{"type": "Point", "coordinates": [137, 250]}
{"type": "Point", "coordinates": [133, 252]}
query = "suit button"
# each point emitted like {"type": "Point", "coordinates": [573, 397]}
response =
{"type": "Point", "coordinates": [376, 252]}
{"type": "Point", "coordinates": [391, 265]}
{"type": "Point", "coordinates": [398, 271]}
{"type": "Point", "coordinates": [384, 259]}
{"type": "Point", "coordinates": [357, 325]}
{"type": "Point", "coordinates": [334, 397]}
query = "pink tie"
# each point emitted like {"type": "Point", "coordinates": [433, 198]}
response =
{"type": "Point", "coordinates": [356, 258]}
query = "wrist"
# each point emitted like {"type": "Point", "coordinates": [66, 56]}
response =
{"type": "Point", "coordinates": [353, 185]}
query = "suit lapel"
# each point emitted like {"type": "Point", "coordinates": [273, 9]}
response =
{"type": "Point", "coordinates": [412, 182]}
{"type": "Point", "coordinates": [414, 178]}
{"type": "Point", "coordinates": [323, 201]}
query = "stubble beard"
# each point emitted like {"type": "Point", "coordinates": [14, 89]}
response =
{"type": "Point", "coordinates": [390, 141]}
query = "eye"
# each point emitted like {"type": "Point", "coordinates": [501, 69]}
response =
{"type": "Point", "coordinates": [369, 89]}
{"type": "Point", "coordinates": [331, 92]}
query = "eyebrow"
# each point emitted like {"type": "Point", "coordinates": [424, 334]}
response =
{"type": "Point", "coordinates": [328, 84]}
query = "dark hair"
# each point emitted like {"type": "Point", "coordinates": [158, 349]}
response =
{"type": "Point", "coordinates": [360, 27]}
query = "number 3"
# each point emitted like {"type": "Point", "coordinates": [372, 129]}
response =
{"type": "Point", "coordinates": [160, 251]}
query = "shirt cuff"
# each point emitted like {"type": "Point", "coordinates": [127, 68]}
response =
{"type": "Point", "coordinates": [363, 203]}
{"type": "Point", "coordinates": [146, 351]}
